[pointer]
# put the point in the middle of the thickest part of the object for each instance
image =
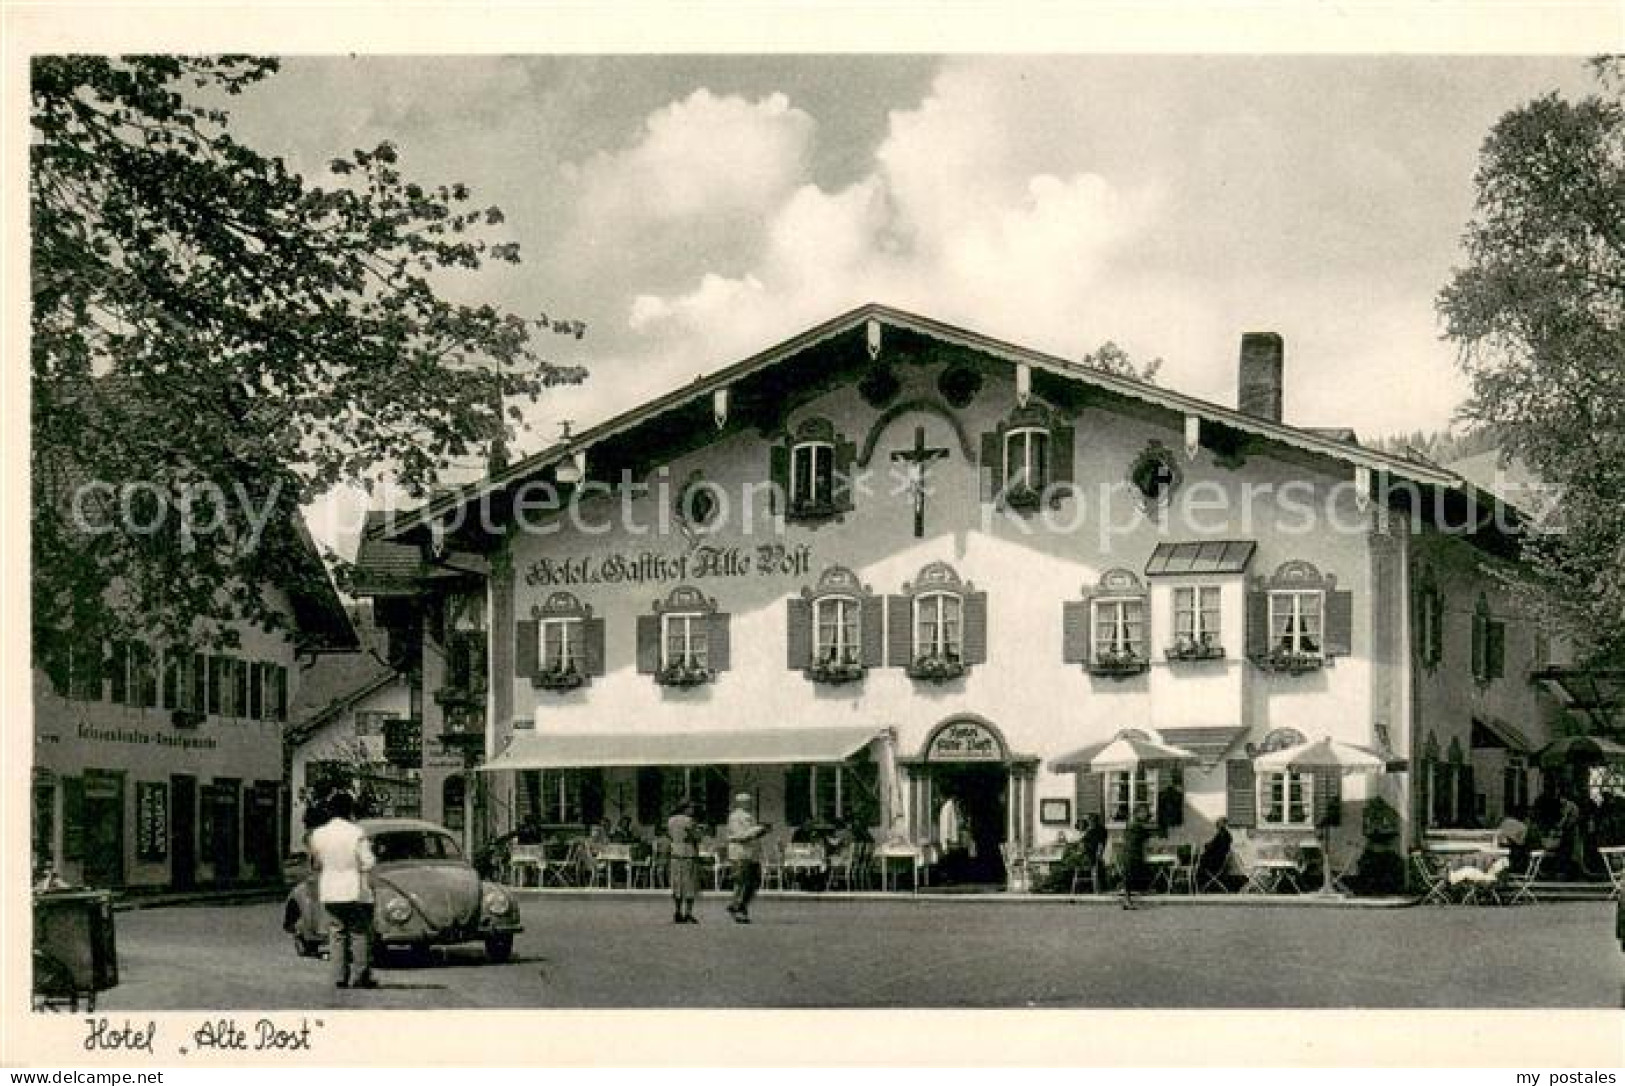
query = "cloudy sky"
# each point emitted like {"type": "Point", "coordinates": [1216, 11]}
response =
{"type": "Point", "coordinates": [693, 210]}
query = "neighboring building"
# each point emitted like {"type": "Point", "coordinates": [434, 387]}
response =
{"type": "Point", "coordinates": [161, 769]}
{"type": "Point", "coordinates": [779, 604]}
{"type": "Point", "coordinates": [433, 618]}
{"type": "Point", "coordinates": [354, 730]}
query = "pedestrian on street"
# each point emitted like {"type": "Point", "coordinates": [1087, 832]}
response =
{"type": "Point", "coordinates": [684, 833]}
{"type": "Point", "coordinates": [1136, 841]}
{"type": "Point", "coordinates": [745, 853]}
{"type": "Point", "coordinates": [343, 857]}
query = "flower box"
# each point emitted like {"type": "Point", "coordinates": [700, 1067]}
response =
{"type": "Point", "coordinates": [835, 672]}
{"type": "Point", "coordinates": [809, 510]}
{"type": "Point", "coordinates": [684, 674]}
{"type": "Point", "coordinates": [1114, 664]}
{"type": "Point", "coordinates": [934, 668]}
{"type": "Point", "coordinates": [1023, 499]}
{"type": "Point", "coordinates": [1189, 648]}
{"type": "Point", "coordinates": [564, 678]}
{"type": "Point", "coordinates": [1287, 662]}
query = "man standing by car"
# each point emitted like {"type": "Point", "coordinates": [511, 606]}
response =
{"type": "Point", "coordinates": [745, 853]}
{"type": "Point", "coordinates": [342, 856]}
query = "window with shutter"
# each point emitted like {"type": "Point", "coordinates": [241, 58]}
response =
{"type": "Point", "coordinates": [87, 669]}
{"type": "Point", "coordinates": [1027, 458]}
{"type": "Point", "coordinates": [831, 626]}
{"type": "Point", "coordinates": [1495, 648]}
{"type": "Point", "coordinates": [1480, 655]}
{"type": "Point", "coordinates": [118, 668]}
{"type": "Point", "coordinates": [565, 642]}
{"type": "Point", "coordinates": [1303, 620]}
{"type": "Point", "coordinates": [1117, 626]}
{"type": "Point", "coordinates": [686, 641]}
{"type": "Point", "coordinates": [256, 691]}
{"type": "Point", "coordinates": [946, 627]}
{"type": "Point", "coordinates": [816, 463]}
{"type": "Point", "coordinates": [219, 698]}
{"type": "Point", "coordinates": [279, 684]}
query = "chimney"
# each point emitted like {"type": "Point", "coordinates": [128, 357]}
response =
{"type": "Point", "coordinates": [1259, 384]}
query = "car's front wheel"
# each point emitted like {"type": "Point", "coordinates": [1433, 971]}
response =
{"type": "Point", "coordinates": [499, 948]}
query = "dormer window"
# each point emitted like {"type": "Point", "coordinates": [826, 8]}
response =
{"type": "Point", "coordinates": [812, 469]}
{"type": "Point", "coordinates": [1026, 458]}
{"type": "Point", "coordinates": [812, 474]}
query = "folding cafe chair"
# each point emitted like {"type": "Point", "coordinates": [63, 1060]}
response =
{"type": "Point", "coordinates": [1436, 889]}
{"type": "Point", "coordinates": [1522, 884]}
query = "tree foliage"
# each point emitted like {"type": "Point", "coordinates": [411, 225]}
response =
{"type": "Point", "coordinates": [207, 323]}
{"type": "Point", "coordinates": [1110, 358]}
{"type": "Point", "coordinates": [1536, 313]}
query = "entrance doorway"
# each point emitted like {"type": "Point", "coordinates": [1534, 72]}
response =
{"type": "Point", "coordinates": [183, 832]}
{"type": "Point", "coordinates": [970, 807]}
{"type": "Point", "coordinates": [103, 828]}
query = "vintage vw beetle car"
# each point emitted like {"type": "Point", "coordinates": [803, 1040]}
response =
{"type": "Point", "coordinates": [425, 894]}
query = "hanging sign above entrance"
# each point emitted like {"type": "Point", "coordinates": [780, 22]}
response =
{"type": "Point", "coordinates": [964, 741]}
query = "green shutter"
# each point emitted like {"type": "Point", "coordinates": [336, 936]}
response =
{"type": "Point", "coordinates": [778, 473]}
{"type": "Point", "coordinates": [846, 454]}
{"type": "Point", "coordinates": [118, 666]}
{"type": "Point", "coordinates": [1240, 794]}
{"type": "Point", "coordinates": [975, 628]}
{"type": "Point", "coordinates": [1495, 649]}
{"type": "Point", "coordinates": [992, 465]}
{"type": "Point", "coordinates": [73, 818]}
{"type": "Point", "coordinates": [526, 648]}
{"type": "Point", "coordinates": [1075, 632]}
{"type": "Point", "coordinates": [592, 646]}
{"type": "Point", "coordinates": [899, 631]}
{"type": "Point", "coordinates": [1328, 797]}
{"type": "Point", "coordinates": [1061, 443]}
{"type": "Point", "coordinates": [1091, 789]}
{"type": "Point", "coordinates": [872, 631]}
{"type": "Point", "coordinates": [798, 637]}
{"type": "Point", "coordinates": [1339, 623]}
{"type": "Point", "coordinates": [648, 644]}
{"type": "Point", "coordinates": [718, 646]}
{"type": "Point", "coordinates": [1258, 624]}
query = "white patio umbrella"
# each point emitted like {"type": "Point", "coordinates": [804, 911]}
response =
{"type": "Point", "coordinates": [1326, 756]}
{"type": "Point", "coordinates": [1127, 751]}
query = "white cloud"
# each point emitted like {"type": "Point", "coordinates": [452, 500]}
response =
{"type": "Point", "coordinates": [699, 160]}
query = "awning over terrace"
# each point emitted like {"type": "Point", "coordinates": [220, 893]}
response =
{"type": "Point", "coordinates": [762, 746]}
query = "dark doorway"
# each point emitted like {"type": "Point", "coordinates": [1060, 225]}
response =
{"type": "Point", "coordinates": [978, 791]}
{"type": "Point", "coordinates": [104, 828]}
{"type": "Point", "coordinates": [183, 832]}
{"type": "Point", "coordinates": [261, 834]}
{"type": "Point", "coordinates": [225, 845]}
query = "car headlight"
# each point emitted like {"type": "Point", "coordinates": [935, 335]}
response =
{"type": "Point", "coordinates": [496, 902]}
{"type": "Point", "coordinates": [397, 911]}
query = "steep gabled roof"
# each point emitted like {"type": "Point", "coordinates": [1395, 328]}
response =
{"type": "Point", "coordinates": [1331, 446]}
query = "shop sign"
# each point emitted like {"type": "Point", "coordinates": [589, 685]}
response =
{"type": "Point", "coordinates": [704, 563]}
{"type": "Point", "coordinates": [965, 741]}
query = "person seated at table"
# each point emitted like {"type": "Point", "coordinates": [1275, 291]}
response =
{"type": "Point", "coordinates": [623, 833]}
{"type": "Point", "coordinates": [1214, 859]}
{"type": "Point", "coordinates": [1513, 835]}
{"type": "Point", "coordinates": [840, 839]}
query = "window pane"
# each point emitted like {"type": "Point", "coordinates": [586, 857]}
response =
{"type": "Point", "coordinates": [823, 474]}
{"type": "Point", "coordinates": [800, 472]}
{"type": "Point", "coordinates": [1038, 459]}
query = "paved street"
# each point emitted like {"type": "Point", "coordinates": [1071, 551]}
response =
{"type": "Point", "coordinates": [617, 950]}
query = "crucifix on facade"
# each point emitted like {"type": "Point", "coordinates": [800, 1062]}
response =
{"type": "Point", "coordinates": [917, 459]}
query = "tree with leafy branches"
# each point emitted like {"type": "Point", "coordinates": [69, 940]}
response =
{"type": "Point", "coordinates": [1537, 315]}
{"type": "Point", "coordinates": [1110, 358]}
{"type": "Point", "coordinates": [216, 335]}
